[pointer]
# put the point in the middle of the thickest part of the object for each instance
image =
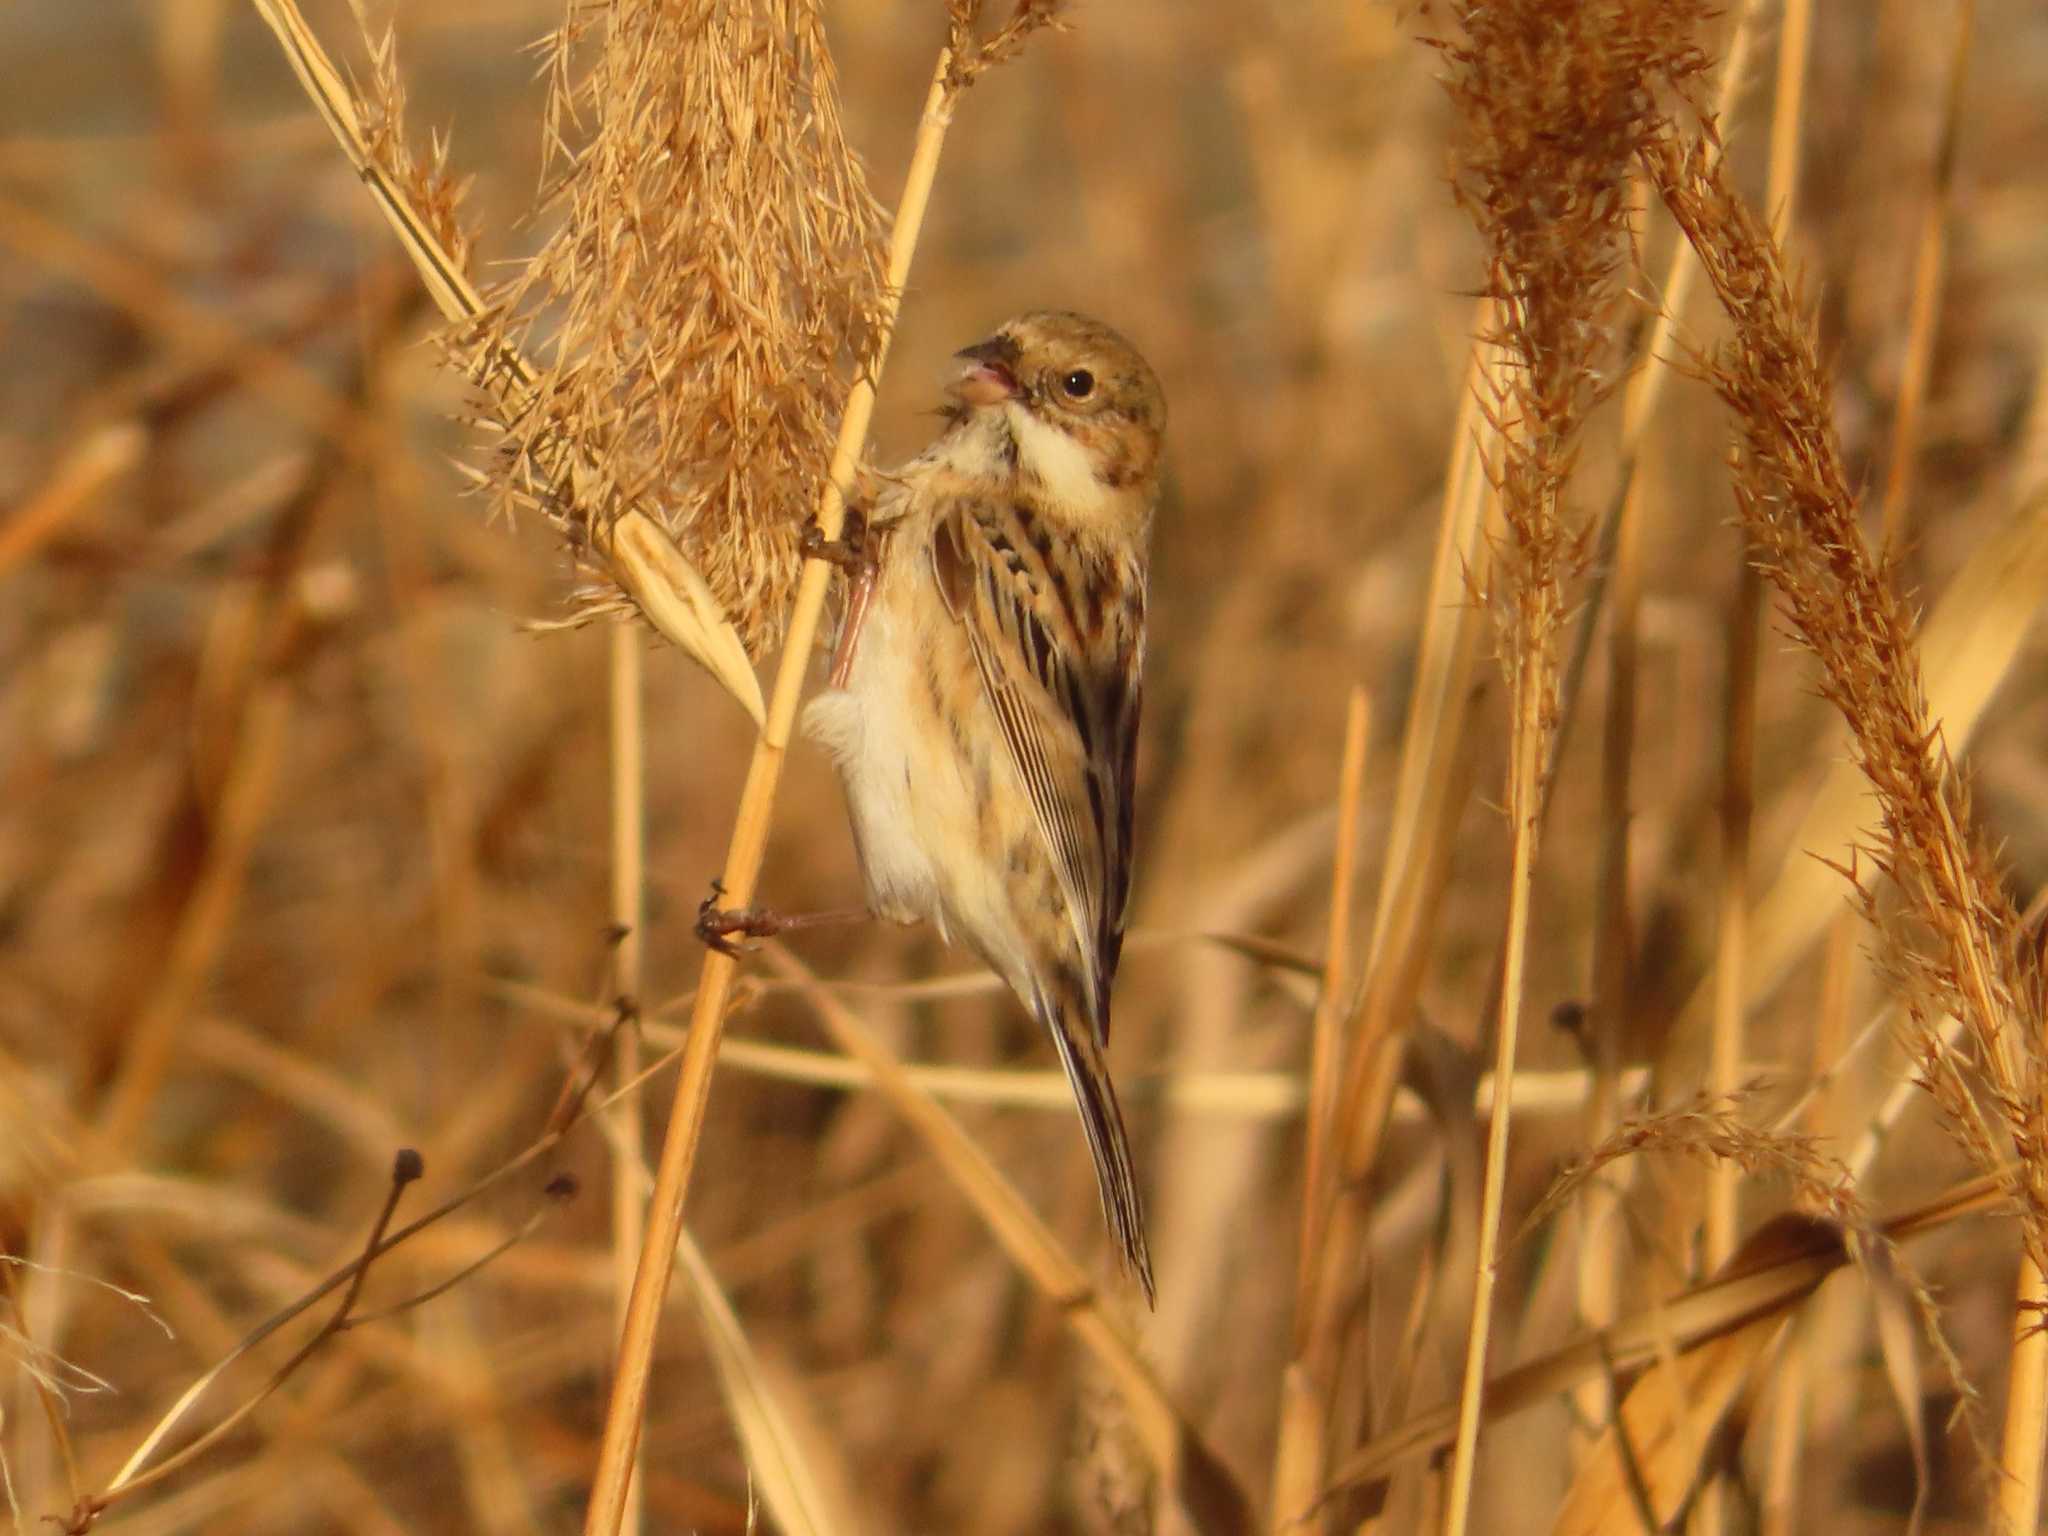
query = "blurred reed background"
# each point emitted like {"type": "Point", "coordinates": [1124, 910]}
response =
{"type": "Point", "coordinates": [305, 838]}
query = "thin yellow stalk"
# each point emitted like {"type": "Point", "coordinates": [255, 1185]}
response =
{"type": "Point", "coordinates": [2026, 1407]}
{"type": "Point", "coordinates": [1524, 795]}
{"type": "Point", "coordinates": [1781, 187]}
{"type": "Point", "coordinates": [1431, 785]}
{"type": "Point", "coordinates": [629, 913]}
{"type": "Point", "coordinates": [1251, 1095]}
{"type": "Point", "coordinates": [1929, 264]}
{"type": "Point", "coordinates": [1299, 1454]}
{"type": "Point", "coordinates": [1779, 1515]}
{"type": "Point", "coordinates": [1601, 1254]}
{"type": "Point", "coordinates": [743, 858]}
{"type": "Point", "coordinates": [1334, 997]}
{"type": "Point", "coordinates": [1731, 942]}
{"type": "Point", "coordinates": [1442, 665]}
{"type": "Point", "coordinates": [1790, 1414]}
{"type": "Point", "coordinates": [1732, 934]}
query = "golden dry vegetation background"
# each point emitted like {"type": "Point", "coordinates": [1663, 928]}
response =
{"type": "Point", "coordinates": [305, 834]}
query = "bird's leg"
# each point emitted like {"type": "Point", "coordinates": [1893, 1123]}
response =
{"type": "Point", "coordinates": [857, 552]}
{"type": "Point", "coordinates": [717, 925]}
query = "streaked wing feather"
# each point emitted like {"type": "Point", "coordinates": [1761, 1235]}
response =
{"type": "Point", "coordinates": [1068, 716]}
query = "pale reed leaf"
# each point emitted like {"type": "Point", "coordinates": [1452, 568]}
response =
{"type": "Point", "coordinates": [678, 602]}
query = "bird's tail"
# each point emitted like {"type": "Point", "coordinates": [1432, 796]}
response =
{"type": "Point", "coordinates": [1103, 1120]}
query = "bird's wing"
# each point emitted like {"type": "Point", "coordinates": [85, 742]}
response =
{"type": "Point", "coordinates": [1058, 634]}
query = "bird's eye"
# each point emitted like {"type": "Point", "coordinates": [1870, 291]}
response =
{"type": "Point", "coordinates": [1078, 385]}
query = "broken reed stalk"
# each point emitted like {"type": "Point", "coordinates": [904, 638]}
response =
{"type": "Point", "coordinates": [743, 857]}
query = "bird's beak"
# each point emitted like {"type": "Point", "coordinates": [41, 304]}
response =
{"type": "Point", "coordinates": [989, 377]}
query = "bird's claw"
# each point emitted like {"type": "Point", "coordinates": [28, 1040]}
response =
{"type": "Point", "coordinates": [716, 925]}
{"type": "Point", "coordinates": [852, 552]}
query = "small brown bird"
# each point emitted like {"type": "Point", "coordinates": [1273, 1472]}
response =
{"type": "Point", "coordinates": [985, 722]}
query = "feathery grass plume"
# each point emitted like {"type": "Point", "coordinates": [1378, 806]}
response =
{"type": "Point", "coordinates": [434, 196]}
{"type": "Point", "coordinates": [698, 318]}
{"type": "Point", "coordinates": [1954, 945]}
{"type": "Point", "coordinates": [1553, 100]}
{"type": "Point", "coordinates": [1712, 1126]}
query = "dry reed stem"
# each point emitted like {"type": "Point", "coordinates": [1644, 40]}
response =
{"type": "Point", "coordinates": [1332, 997]}
{"type": "Point", "coordinates": [749, 843]}
{"type": "Point", "coordinates": [1433, 716]}
{"type": "Point", "coordinates": [1601, 1252]}
{"type": "Point", "coordinates": [1432, 785]}
{"type": "Point", "coordinates": [790, 1466]}
{"type": "Point", "coordinates": [1779, 1495]}
{"type": "Point", "coordinates": [1781, 184]}
{"type": "Point", "coordinates": [629, 917]}
{"type": "Point", "coordinates": [1791, 1411]}
{"type": "Point", "coordinates": [1930, 260]}
{"type": "Point", "coordinates": [1523, 795]}
{"type": "Point", "coordinates": [1731, 938]}
{"type": "Point", "coordinates": [1271, 1095]}
{"type": "Point", "coordinates": [2026, 1406]}
{"type": "Point", "coordinates": [1300, 1455]}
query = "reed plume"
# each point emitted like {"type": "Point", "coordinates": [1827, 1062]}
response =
{"type": "Point", "coordinates": [709, 293]}
{"type": "Point", "coordinates": [1953, 943]}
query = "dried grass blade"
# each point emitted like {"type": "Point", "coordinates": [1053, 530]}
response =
{"type": "Point", "coordinates": [1780, 1265]}
{"type": "Point", "coordinates": [1666, 1424]}
{"type": "Point", "coordinates": [102, 457]}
